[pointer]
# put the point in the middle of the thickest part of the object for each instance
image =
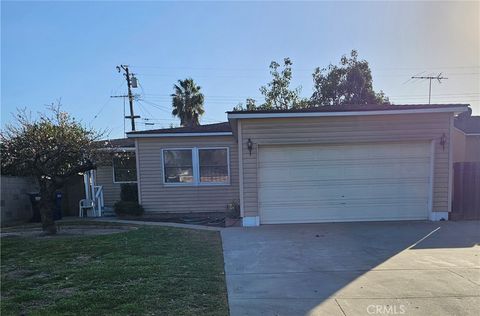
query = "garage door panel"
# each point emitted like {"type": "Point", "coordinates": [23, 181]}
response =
{"type": "Point", "coordinates": [377, 181]}
{"type": "Point", "coordinates": [332, 172]}
{"type": "Point", "coordinates": [335, 182]}
{"type": "Point", "coordinates": [341, 152]}
{"type": "Point", "coordinates": [348, 192]}
{"type": "Point", "coordinates": [344, 162]}
{"type": "Point", "coordinates": [341, 214]}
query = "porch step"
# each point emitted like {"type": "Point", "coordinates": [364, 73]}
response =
{"type": "Point", "coordinates": [108, 211]}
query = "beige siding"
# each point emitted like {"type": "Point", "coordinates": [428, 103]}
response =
{"type": "Point", "coordinates": [347, 129]}
{"type": "Point", "coordinates": [111, 191]}
{"type": "Point", "coordinates": [157, 197]}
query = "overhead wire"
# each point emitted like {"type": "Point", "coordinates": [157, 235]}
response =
{"type": "Point", "coordinates": [296, 68]}
{"type": "Point", "coordinates": [105, 104]}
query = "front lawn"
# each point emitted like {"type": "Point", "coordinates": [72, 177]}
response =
{"type": "Point", "coordinates": [149, 271]}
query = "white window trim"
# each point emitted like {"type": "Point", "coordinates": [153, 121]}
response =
{"type": "Point", "coordinates": [113, 172]}
{"type": "Point", "coordinates": [196, 168]}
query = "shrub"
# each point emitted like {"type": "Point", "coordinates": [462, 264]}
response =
{"type": "Point", "coordinates": [129, 192]}
{"type": "Point", "coordinates": [233, 209]}
{"type": "Point", "coordinates": [123, 208]}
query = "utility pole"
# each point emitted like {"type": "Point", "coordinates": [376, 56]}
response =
{"type": "Point", "coordinates": [130, 78]}
{"type": "Point", "coordinates": [438, 77]}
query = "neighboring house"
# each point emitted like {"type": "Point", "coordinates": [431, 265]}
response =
{"type": "Point", "coordinates": [122, 169]}
{"type": "Point", "coordinates": [339, 163]}
{"type": "Point", "coordinates": [466, 139]}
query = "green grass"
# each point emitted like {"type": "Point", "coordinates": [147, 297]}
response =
{"type": "Point", "coordinates": [149, 271]}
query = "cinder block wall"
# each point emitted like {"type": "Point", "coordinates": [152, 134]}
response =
{"type": "Point", "coordinates": [15, 202]}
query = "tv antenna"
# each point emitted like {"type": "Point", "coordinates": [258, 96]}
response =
{"type": "Point", "coordinates": [430, 78]}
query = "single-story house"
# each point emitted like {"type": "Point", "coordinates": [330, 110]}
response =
{"type": "Point", "coordinates": [103, 185]}
{"type": "Point", "coordinates": [324, 164]}
{"type": "Point", "coordinates": [466, 139]}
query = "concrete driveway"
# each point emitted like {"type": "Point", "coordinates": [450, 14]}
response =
{"type": "Point", "coordinates": [378, 268]}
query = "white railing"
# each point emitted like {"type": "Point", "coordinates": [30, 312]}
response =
{"type": "Point", "coordinates": [93, 204]}
{"type": "Point", "coordinates": [98, 200]}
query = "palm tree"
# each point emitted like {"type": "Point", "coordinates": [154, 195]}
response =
{"type": "Point", "coordinates": [187, 102]}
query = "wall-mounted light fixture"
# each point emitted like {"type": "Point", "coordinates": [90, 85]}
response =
{"type": "Point", "coordinates": [249, 146]}
{"type": "Point", "coordinates": [443, 141]}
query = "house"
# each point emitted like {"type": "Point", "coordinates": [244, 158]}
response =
{"type": "Point", "coordinates": [103, 185]}
{"type": "Point", "coordinates": [325, 164]}
{"type": "Point", "coordinates": [466, 139]}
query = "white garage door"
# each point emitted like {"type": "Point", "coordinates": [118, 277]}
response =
{"type": "Point", "coordinates": [357, 182]}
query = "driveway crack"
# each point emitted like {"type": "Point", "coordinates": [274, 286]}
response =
{"type": "Point", "coordinates": [338, 304]}
{"type": "Point", "coordinates": [463, 277]}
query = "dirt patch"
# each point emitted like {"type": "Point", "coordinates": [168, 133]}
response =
{"type": "Point", "coordinates": [77, 230]}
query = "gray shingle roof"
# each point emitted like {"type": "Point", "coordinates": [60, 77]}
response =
{"type": "Point", "coordinates": [469, 125]}
{"type": "Point", "coordinates": [208, 128]}
{"type": "Point", "coordinates": [118, 142]}
{"type": "Point", "coordinates": [357, 107]}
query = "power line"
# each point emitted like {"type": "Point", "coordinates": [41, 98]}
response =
{"type": "Point", "coordinates": [160, 107]}
{"type": "Point", "coordinates": [145, 110]}
{"type": "Point", "coordinates": [294, 68]}
{"type": "Point", "coordinates": [105, 104]}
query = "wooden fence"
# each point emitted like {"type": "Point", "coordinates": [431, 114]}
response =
{"type": "Point", "coordinates": [466, 191]}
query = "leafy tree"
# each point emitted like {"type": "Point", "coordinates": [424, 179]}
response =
{"type": "Point", "coordinates": [51, 149]}
{"type": "Point", "coordinates": [187, 102]}
{"type": "Point", "coordinates": [348, 83]}
{"type": "Point", "coordinates": [250, 105]}
{"type": "Point", "coordinates": [278, 94]}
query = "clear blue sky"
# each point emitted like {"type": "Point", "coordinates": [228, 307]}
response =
{"type": "Point", "coordinates": [69, 50]}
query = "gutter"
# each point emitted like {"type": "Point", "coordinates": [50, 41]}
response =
{"type": "Point", "coordinates": [456, 110]}
{"type": "Point", "coordinates": [151, 135]}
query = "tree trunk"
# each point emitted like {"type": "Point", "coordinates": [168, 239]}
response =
{"type": "Point", "coordinates": [47, 202]}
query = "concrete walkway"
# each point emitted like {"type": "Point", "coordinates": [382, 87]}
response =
{"type": "Point", "coordinates": [401, 268]}
{"type": "Point", "coordinates": [150, 223]}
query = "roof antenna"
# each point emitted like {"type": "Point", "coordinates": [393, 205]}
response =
{"type": "Point", "coordinates": [438, 77]}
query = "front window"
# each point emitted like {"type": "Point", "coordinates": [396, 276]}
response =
{"type": "Point", "coordinates": [196, 166]}
{"type": "Point", "coordinates": [178, 166]}
{"type": "Point", "coordinates": [124, 167]}
{"type": "Point", "coordinates": [213, 165]}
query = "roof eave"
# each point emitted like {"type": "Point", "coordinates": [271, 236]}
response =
{"type": "Point", "coordinates": [152, 135]}
{"type": "Point", "coordinates": [450, 109]}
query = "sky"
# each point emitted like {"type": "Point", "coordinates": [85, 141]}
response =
{"type": "Point", "coordinates": [68, 51]}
